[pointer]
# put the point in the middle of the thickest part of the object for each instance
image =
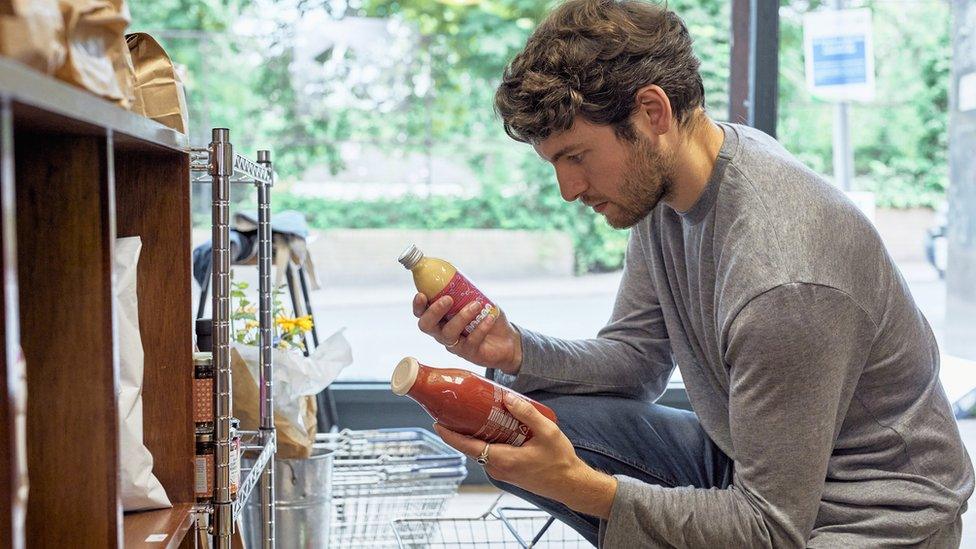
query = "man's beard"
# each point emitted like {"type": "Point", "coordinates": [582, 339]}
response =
{"type": "Point", "coordinates": [647, 180]}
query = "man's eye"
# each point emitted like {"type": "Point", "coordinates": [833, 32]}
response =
{"type": "Point", "coordinates": [575, 158]}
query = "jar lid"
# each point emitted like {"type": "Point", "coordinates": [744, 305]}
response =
{"type": "Point", "coordinates": [202, 358]}
{"type": "Point", "coordinates": [405, 375]}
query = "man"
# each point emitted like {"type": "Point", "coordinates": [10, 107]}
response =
{"type": "Point", "coordinates": [819, 417]}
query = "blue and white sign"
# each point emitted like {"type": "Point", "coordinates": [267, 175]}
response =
{"type": "Point", "coordinates": [839, 54]}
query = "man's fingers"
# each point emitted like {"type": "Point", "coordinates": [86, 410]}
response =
{"type": "Point", "coordinates": [468, 446]}
{"type": "Point", "coordinates": [429, 322]}
{"type": "Point", "coordinates": [527, 414]}
{"type": "Point", "coordinates": [454, 328]}
{"type": "Point", "coordinates": [475, 338]}
{"type": "Point", "coordinates": [419, 304]}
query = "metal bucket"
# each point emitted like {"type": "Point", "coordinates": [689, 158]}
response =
{"type": "Point", "coordinates": [303, 502]}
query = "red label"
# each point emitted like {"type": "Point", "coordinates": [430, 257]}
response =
{"type": "Point", "coordinates": [462, 291]}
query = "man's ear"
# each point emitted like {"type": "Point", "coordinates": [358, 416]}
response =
{"type": "Point", "coordinates": [653, 111]}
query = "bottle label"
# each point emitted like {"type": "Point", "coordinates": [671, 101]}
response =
{"type": "Point", "coordinates": [235, 465]}
{"type": "Point", "coordinates": [203, 475]}
{"type": "Point", "coordinates": [202, 400]}
{"type": "Point", "coordinates": [462, 291]}
{"type": "Point", "coordinates": [501, 426]}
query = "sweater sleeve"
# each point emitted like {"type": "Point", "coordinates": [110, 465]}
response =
{"type": "Point", "coordinates": [630, 356]}
{"type": "Point", "coordinates": [794, 354]}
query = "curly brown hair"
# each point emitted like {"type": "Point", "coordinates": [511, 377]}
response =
{"type": "Point", "coordinates": [589, 58]}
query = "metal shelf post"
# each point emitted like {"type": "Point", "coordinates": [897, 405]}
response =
{"type": "Point", "coordinates": [266, 369]}
{"type": "Point", "coordinates": [219, 163]}
{"type": "Point", "coordinates": [221, 169]}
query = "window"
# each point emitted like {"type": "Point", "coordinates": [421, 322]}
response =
{"type": "Point", "coordinates": [380, 119]}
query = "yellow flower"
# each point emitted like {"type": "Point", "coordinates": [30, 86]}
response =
{"type": "Point", "coordinates": [304, 322]}
{"type": "Point", "coordinates": [286, 324]}
{"type": "Point", "coordinates": [251, 324]}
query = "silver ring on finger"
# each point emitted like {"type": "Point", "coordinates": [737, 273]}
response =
{"type": "Point", "coordinates": [452, 345]}
{"type": "Point", "coordinates": [483, 457]}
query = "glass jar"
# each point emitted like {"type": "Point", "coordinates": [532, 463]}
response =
{"type": "Point", "coordinates": [235, 456]}
{"type": "Point", "coordinates": [203, 467]}
{"type": "Point", "coordinates": [203, 392]}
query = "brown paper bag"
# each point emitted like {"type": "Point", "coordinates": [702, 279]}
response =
{"type": "Point", "coordinates": [159, 92]}
{"type": "Point", "coordinates": [294, 442]}
{"type": "Point", "coordinates": [30, 33]}
{"type": "Point", "coordinates": [94, 37]}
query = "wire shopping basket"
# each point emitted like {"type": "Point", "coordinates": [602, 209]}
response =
{"type": "Point", "coordinates": [517, 527]}
{"type": "Point", "coordinates": [384, 474]}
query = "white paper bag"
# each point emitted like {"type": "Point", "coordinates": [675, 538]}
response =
{"type": "Point", "coordinates": [298, 376]}
{"type": "Point", "coordinates": [140, 488]}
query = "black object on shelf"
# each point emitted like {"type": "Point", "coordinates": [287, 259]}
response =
{"type": "Point", "coordinates": [205, 334]}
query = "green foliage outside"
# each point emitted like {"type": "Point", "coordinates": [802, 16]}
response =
{"type": "Point", "coordinates": [598, 247]}
{"type": "Point", "coordinates": [242, 80]}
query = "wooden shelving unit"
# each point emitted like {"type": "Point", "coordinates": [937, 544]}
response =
{"type": "Point", "coordinates": [162, 529]}
{"type": "Point", "coordinates": [75, 173]}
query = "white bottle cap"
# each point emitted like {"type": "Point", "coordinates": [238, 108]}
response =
{"type": "Point", "coordinates": [411, 256]}
{"type": "Point", "coordinates": [404, 375]}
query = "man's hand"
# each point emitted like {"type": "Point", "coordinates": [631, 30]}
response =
{"type": "Point", "coordinates": [493, 344]}
{"type": "Point", "coordinates": [546, 465]}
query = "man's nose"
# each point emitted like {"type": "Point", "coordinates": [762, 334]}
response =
{"type": "Point", "coordinates": [571, 186]}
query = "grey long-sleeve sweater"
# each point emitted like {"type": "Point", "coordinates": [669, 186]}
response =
{"type": "Point", "coordinates": [803, 354]}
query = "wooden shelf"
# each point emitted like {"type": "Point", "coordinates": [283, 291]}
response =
{"type": "Point", "coordinates": [49, 104]}
{"type": "Point", "coordinates": [76, 172]}
{"type": "Point", "coordinates": [144, 529]}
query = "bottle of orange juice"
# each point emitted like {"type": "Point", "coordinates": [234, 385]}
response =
{"type": "Point", "coordinates": [436, 278]}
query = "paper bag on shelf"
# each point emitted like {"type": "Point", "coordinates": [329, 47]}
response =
{"type": "Point", "coordinates": [29, 33]}
{"type": "Point", "coordinates": [297, 380]}
{"type": "Point", "coordinates": [159, 92]}
{"type": "Point", "coordinates": [295, 435]}
{"type": "Point", "coordinates": [94, 37]}
{"type": "Point", "coordinates": [139, 487]}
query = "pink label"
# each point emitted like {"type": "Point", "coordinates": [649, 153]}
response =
{"type": "Point", "coordinates": [501, 426]}
{"type": "Point", "coordinates": [463, 292]}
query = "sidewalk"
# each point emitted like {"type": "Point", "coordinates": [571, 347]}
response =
{"type": "Point", "coordinates": [381, 328]}
{"type": "Point", "coordinates": [500, 290]}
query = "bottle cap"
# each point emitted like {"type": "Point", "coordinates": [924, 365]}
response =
{"type": "Point", "coordinates": [404, 375]}
{"type": "Point", "coordinates": [411, 256]}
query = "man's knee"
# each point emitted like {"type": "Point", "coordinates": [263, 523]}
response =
{"type": "Point", "coordinates": [603, 420]}
{"type": "Point", "coordinates": [617, 435]}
